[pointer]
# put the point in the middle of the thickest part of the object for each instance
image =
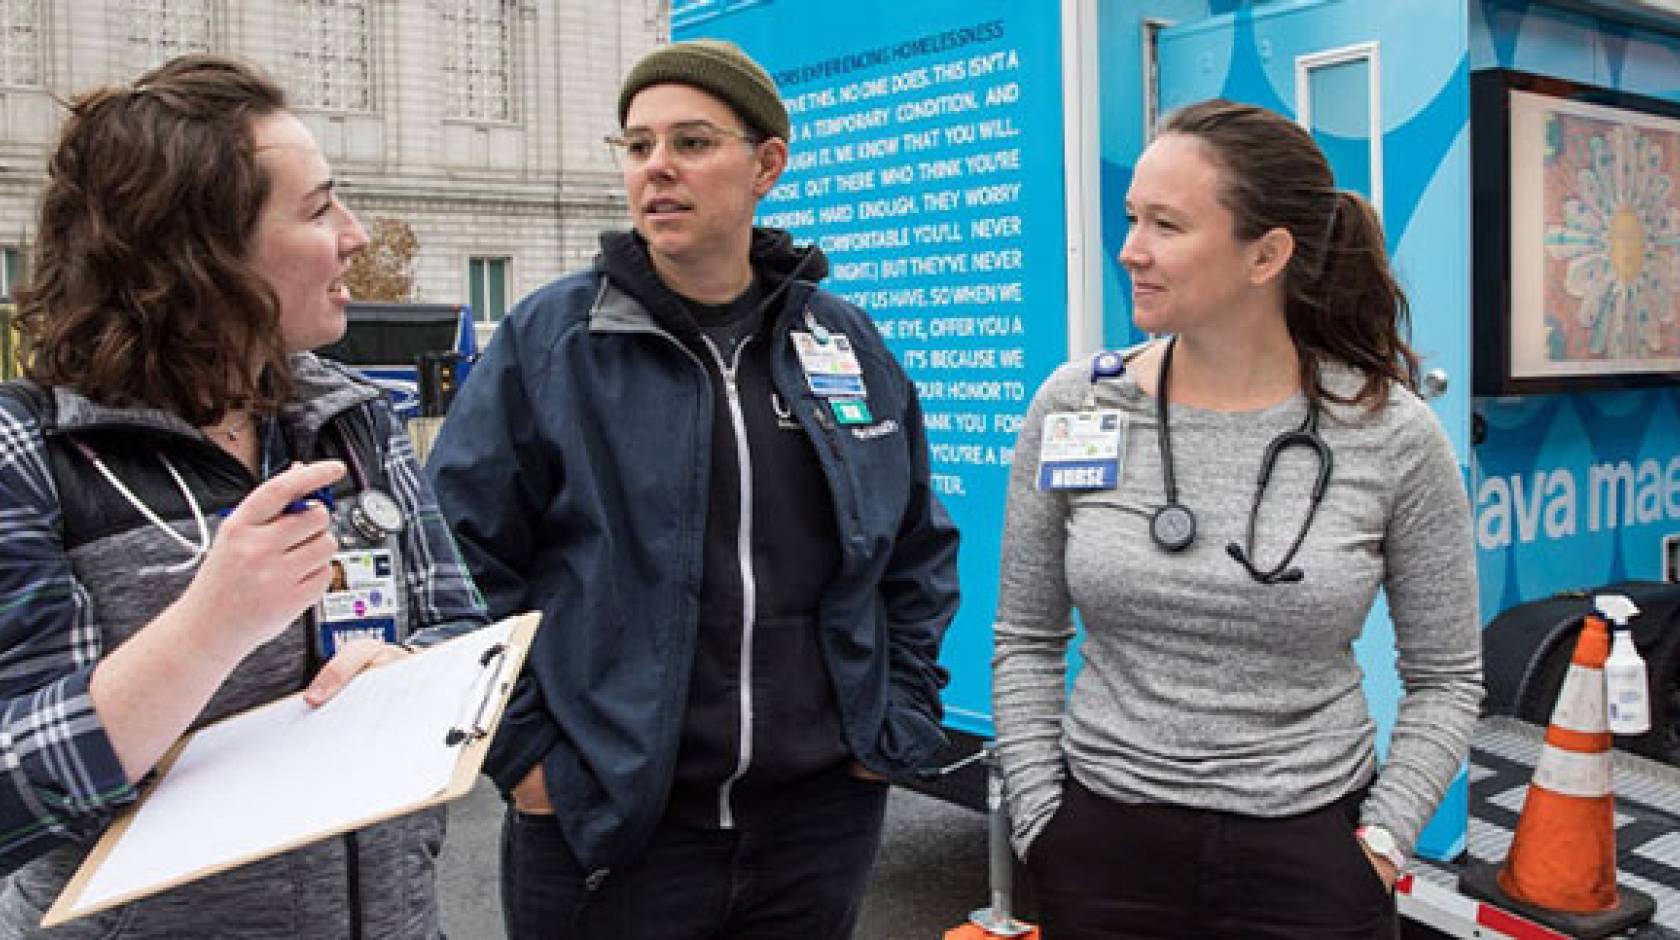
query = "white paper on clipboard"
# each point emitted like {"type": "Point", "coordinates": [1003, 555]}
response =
{"type": "Point", "coordinates": [283, 775]}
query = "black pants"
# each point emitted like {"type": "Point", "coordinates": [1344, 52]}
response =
{"type": "Point", "coordinates": [1102, 869]}
{"type": "Point", "coordinates": [799, 872]}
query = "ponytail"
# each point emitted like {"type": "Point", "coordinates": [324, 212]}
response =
{"type": "Point", "coordinates": [1353, 311]}
{"type": "Point", "coordinates": [1341, 300]}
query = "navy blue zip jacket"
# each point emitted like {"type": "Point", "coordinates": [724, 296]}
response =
{"type": "Point", "coordinates": [574, 470]}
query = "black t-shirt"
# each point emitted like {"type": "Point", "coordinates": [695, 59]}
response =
{"type": "Point", "coordinates": [728, 325]}
{"type": "Point", "coordinates": [795, 549]}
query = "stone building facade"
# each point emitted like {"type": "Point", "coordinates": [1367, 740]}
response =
{"type": "Point", "coordinates": [476, 122]}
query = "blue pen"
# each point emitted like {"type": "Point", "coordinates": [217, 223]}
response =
{"type": "Point", "coordinates": [323, 496]}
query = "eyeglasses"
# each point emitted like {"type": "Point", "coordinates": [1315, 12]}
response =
{"type": "Point", "coordinates": [689, 143]}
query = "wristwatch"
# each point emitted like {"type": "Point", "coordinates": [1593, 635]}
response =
{"type": "Point", "coordinates": [1382, 844]}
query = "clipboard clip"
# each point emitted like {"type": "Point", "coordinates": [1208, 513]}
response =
{"type": "Point", "coordinates": [493, 660]}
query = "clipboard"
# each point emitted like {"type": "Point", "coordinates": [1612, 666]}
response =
{"type": "Point", "coordinates": [178, 831]}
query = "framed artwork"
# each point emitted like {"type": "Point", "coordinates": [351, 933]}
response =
{"type": "Point", "coordinates": [1576, 236]}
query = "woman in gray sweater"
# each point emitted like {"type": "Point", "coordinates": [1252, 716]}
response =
{"type": "Point", "coordinates": [1213, 771]}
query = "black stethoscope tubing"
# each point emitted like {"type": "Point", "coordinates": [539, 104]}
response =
{"type": "Point", "coordinates": [1173, 526]}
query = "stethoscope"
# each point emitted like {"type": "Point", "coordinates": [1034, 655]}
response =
{"type": "Point", "coordinates": [370, 503]}
{"type": "Point", "coordinates": [1173, 526]}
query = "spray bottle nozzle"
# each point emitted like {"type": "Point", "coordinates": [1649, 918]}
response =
{"type": "Point", "coordinates": [1616, 608]}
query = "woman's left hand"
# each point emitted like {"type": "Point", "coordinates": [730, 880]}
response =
{"type": "Point", "coordinates": [356, 657]}
{"type": "Point", "coordinates": [1385, 868]}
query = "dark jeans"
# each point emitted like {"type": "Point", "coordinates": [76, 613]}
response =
{"type": "Point", "coordinates": [1108, 870]}
{"type": "Point", "coordinates": [800, 872]}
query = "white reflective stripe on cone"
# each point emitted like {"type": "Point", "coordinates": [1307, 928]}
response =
{"type": "Point", "coordinates": [1572, 774]}
{"type": "Point", "coordinates": [1580, 705]}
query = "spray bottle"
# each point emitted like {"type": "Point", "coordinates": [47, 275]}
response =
{"type": "Point", "coordinates": [1624, 671]}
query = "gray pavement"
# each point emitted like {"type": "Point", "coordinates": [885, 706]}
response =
{"type": "Point", "coordinates": [930, 874]}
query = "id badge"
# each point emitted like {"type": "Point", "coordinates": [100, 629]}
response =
{"type": "Point", "coordinates": [360, 603]}
{"type": "Point", "coordinates": [1082, 450]}
{"type": "Point", "coordinates": [831, 368]}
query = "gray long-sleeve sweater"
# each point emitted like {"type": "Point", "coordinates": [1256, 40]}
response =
{"type": "Point", "coordinates": [1201, 687]}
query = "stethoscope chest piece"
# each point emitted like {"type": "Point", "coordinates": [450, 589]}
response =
{"type": "Point", "coordinates": [1173, 527]}
{"type": "Point", "coordinates": [373, 515]}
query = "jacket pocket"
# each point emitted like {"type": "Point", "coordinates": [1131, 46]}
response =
{"type": "Point", "coordinates": [421, 844]}
{"type": "Point", "coordinates": [28, 892]}
{"type": "Point", "coordinates": [879, 470]}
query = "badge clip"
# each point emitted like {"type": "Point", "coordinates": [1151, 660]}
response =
{"type": "Point", "coordinates": [818, 331]}
{"type": "Point", "coordinates": [1107, 365]}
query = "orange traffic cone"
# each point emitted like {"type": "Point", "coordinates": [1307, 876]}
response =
{"type": "Point", "coordinates": [976, 931]}
{"type": "Point", "coordinates": [1561, 870]}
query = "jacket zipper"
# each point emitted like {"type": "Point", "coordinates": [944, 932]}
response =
{"type": "Point", "coordinates": [353, 883]}
{"type": "Point", "coordinates": [749, 587]}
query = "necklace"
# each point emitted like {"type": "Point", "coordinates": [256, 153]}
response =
{"type": "Point", "coordinates": [230, 431]}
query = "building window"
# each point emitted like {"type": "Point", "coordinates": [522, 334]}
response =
{"type": "Point", "coordinates": [332, 59]}
{"type": "Point", "coordinates": [477, 59]}
{"type": "Point", "coordinates": [11, 271]}
{"type": "Point", "coordinates": [159, 30]}
{"type": "Point", "coordinates": [20, 42]}
{"type": "Point", "coordinates": [487, 285]}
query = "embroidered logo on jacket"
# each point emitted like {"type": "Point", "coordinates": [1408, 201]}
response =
{"type": "Point", "coordinates": [784, 414]}
{"type": "Point", "coordinates": [874, 431]}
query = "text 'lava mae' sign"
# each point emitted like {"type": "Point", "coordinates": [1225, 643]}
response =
{"type": "Point", "coordinates": [927, 163]}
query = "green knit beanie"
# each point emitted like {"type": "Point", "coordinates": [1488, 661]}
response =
{"type": "Point", "coordinates": [718, 67]}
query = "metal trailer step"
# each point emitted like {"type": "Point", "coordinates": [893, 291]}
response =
{"type": "Point", "coordinates": [1501, 765]}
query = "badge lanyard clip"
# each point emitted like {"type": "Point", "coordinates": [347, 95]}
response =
{"type": "Point", "coordinates": [818, 331]}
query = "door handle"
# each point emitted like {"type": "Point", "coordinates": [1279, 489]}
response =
{"type": "Point", "coordinates": [1435, 383]}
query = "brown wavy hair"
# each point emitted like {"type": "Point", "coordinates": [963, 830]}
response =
{"type": "Point", "coordinates": [1341, 301]}
{"type": "Point", "coordinates": [141, 292]}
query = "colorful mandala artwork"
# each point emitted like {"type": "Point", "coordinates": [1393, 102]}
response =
{"type": "Point", "coordinates": [1612, 240]}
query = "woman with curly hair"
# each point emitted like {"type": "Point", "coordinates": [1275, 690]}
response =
{"type": "Point", "coordinates": [167, 475]}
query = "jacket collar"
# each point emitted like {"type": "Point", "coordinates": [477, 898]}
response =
{"type": "Point", "coordinates": [615, 311]}
{"type": "Point", "coordinates": [634, 299]}
{"type": "Point", "coordinates": [320, 392]}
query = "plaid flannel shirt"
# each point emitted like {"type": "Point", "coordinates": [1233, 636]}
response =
{"type": "Point", "coordinates": [60, 779]}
